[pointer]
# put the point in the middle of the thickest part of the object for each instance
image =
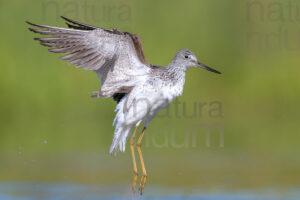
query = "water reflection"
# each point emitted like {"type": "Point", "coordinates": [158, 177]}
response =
{"type": "Point", "coordinates": [68, 191]}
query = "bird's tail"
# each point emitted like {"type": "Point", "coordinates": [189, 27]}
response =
{"type": "Point", "coordinates": [122, 131]}
{"type": "Point", "coordinates": [121, 135]}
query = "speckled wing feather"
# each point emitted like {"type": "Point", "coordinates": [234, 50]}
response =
{"type": "Point", "coordinates": [117, 57]}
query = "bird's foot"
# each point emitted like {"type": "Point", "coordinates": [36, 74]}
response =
{"type": "Point", "coordinates": [135, 175]}
{"type": "Point", "coordinates": [142, 184]}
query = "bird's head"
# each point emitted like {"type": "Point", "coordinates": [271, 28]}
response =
{"type": "Point", "coordinates": [187, 59]}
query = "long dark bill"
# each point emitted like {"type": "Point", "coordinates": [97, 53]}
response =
{"type": "Point", "coordinates": [208, 68]}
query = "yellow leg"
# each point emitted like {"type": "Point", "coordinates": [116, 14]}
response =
{"type": "Point", "coordinates": [144, 177]}
{"type": "Point", "coordinates": [133, 159]}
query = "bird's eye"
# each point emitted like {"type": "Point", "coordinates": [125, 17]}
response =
{"type": "Point", "coordinates": [186, 56]}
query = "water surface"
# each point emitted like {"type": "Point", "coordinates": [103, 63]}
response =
{"type": "Point", "coordinates": [71, 191]}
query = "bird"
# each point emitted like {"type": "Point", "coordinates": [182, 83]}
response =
{"type": "Point", "coordinates": [141, 89]}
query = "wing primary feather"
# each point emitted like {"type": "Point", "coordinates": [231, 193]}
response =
{"type": "Point", "coordinates": [99, 63]}
{"type": "Point", "coordinates": [53, 32]}
{"type": "Point", "coordinates": [59, 40]}
{"type": "Point", "coordinates": [88, 64]}
{"type": "Point", "coordinates": [80, 61]}
{"type": "Point", "coordinates": [42, 32]}
{"type": "Point", "coordinates": [77, 54]}
{"type": "Point", "coordinates": [66, 49]}
{"type": "Point", "coordinates": [80, 25]}
{"type": "Point", "coordinates": [84, 60]}
{"type": "Point", "coordinates": [62, 30]}
{"type": "Point", "coordinates": [48, 44]}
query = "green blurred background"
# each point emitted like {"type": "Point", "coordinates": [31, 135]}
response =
{"type": "Point", "coordinates": [245, 136]}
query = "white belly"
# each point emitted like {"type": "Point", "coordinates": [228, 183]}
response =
{"type": "Point", "coordinates": [145, 101]}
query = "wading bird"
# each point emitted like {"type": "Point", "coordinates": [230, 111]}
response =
{"type": "Point", "coordinates": [140, 89]}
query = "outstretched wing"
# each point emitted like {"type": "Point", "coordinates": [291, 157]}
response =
{"type": "Point", "coordinates": [117, 57]}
